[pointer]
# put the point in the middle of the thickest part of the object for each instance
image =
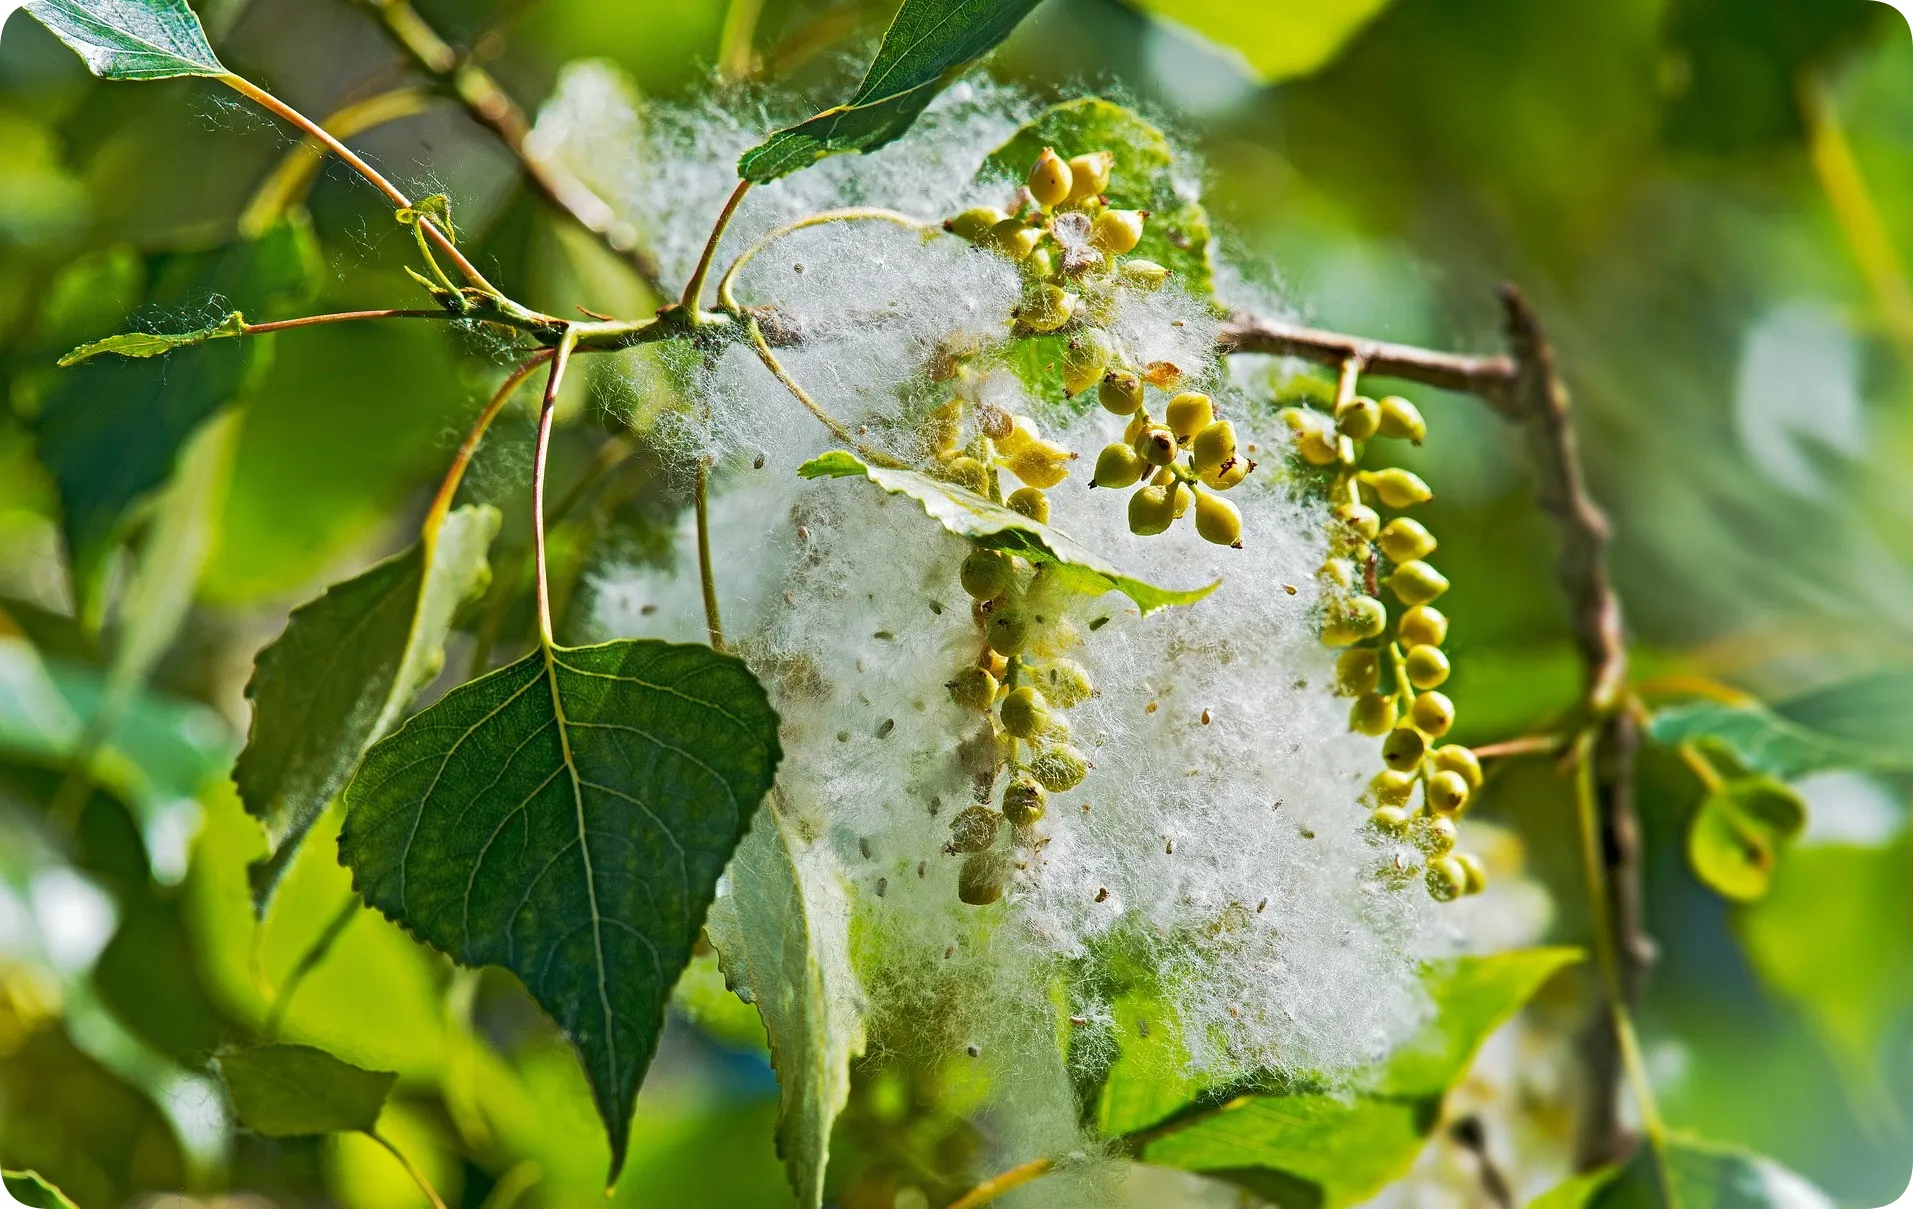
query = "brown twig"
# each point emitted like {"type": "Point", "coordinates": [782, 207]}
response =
{"type": "Point", "coordinates": [1488, 377]}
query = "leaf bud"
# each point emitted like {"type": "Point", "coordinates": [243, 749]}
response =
{"type": "Point", "coordinates": [1118, 465]}
{"type": "Point", "coordinates": [1085, 360]}
{"type": "Point", "coordinates": [1423, 625]}
{"type": "Point", "coordinates": [1402, 420]}
{"type": "Point", "coordinates": [1477, 876]}
{"type": "Point", "coordinates": [1360, 518]}
{"type": "Point", "coordinates": [1088, 175]}
{"type": "Point", "coordinates": [1046, 308]}
{"type": "Point", "coordinates": [1372, 714]}
{"type": "Point", "coordinates": [1415, 582]}
{"type": "Point", "coordinates": [1427, 666]}
{"type": "Point", "coordinates": [1397, 488]}
{"type": "Point", "coordinates": [974, 689]}
{"type": "Point", "coordinates": [1453, 757]}
{"type": "Point", "coordinates": [983, 878]}
{"type": "Point", "coordinates": [1023, 800]}
{"type": "Point", "coordinates": [1059, 769]}
{"type": "Point", "coordinates": [1189, 413]}
{"type": "Point", "coordinates": [1217, 520]}
{"type": "Point", "coordinates": [1041, 463]}
{"type": "Point", "coordinates": [1157, 445]}
{"type": "Point", "coordinates": [1121, 392]}
{"type": "Point", "coordinates": [1402, 749]}
{"type": "Point", "coordinates": [1030, 502]}
{"type": "Point", "coordinates": [1213, 447]}
{"type": "Point", "coordinates": [1065, 684]}
{"type": "Point", "coordinates": [1432, 713]}
{"type": "Point", "coordinates": [1142, 274]}
{"type": "Point", "coordinates": [1116, 231]}
{"type": "Point", "coordinates": [1009, 632]}
{"type": "Point", "coordinates": [1357, 670]}
{"type": "Point", "coordinates": [1354, 619]}
{"type": "Point", "coordinates": [1151, 510]}
{"type": "Point", "coordinates": [974, 829]}
{"type": "Point", "coordinates": [1013, 239]}
{"type": "Point", "coordinates": [1447, 793]}
{"type": "Point", "coordinates": [1358, 417]}
{"type": "Point", "coordinates": [1447, 879]}
{"type": "Point", "coordinates": [1049, 179]}
{"type": "Point", "coordinates": [975, 223]}
{"type": "Point", "coordinates": [1405, 539]}
{"type": "Point", "coordinates": [1025, 713]}
{"type": "Point", "coordinates": [1392, 788]}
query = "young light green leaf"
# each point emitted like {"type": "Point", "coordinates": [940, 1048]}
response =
{"type": "Point", "coordinates": [155, 344]}
{"type": "Point", "coordinates": [294, 1091]}
{"type": "Point", "coordinates": [1859, 723]}
{"type": "Point", "coordinates": [31, 1189]}
{"type": "Point", "coordinates": [341, 673]}
{"type": "Point", "coordinates": [1701, 1175]}
{"type": "Point", "coordinates": [131, 39]}
{"type": "Point", "coordinates": [784, 944]}
{"type": "Point", "coordinates": [1143, 177]}
{"type": "Point", "coordinates": [929, 43]}
{"type": "Point", "coordinates": [1275, 41]}
{"type": "Point", "coordinates": [567, 817]}
{"type": "Point", "coordinates": [1472, 997]}
{"type": "Point", "coordinates": [1737, 834]}
{"type": "Point", "coordinates": [993, 526]}
{"type": "Point", "coordinates": [1340, 1150]}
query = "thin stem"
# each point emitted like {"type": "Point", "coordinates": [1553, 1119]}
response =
{"type": "Point", "coordinates": [1345, 382]}
{"type": "Point", "coordinates": [778, 371]}
{"type": "Point", "coordinates": [283, 325]}
{"type": "Point", "coordinates": [1526, 745]}
{"type": "Point", "coordinates": [442, 502]}
{"type": "Point", "coordinates": [272, 104]}
{"type": "Point", "coordinates": [1702, 768]}
{"type": "Point", "coordinates": [299, 167]}
{"type": "Point", "coordinates": [309, 960]}
{"type": "Point", "coordinates": [726, 302]}
{"type": "Point", "coordinates": [712, 624]}
{"type": "Point", "coordinates": [694, 288]}
{"type": "Point", "coordinates": [1489, 377]}
{"type": "Point", "coordinates": [561, 358]}
{"type": "Point", "coordinates": [734, 45]}
{"type": "Point", "coordinates": [1003, 1182]}
{"type": "Point", "coordinates": [411, 1168]}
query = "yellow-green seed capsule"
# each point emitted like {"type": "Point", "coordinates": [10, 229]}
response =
{"type": "Point", "coordinates": [1357, 670]}
{"type": "Point", "coordinates": [1121, 392]}
{"type": "Point", "coordinates": [1372, 714]}
{"type": "Point", "coordinates": [1318, 448]}
{"type": "Point", "coordinates": [1065, 683]}
{"type": "Point", "coordinates": [1390, 820]}
{"type": "Point", "coordinates": [1046, 308]}
{"type": "Point", "coordinates": [1299, 419]}
{"type": "Point", "coordinates": [1432, 713]}
{"type": "Point", "coordinates": [974, 829]}
{"type": "Point", "coordinates": [1447, 793]}
{"type": "Point", "coordinates": [1030, 502]}
{"type": "Point", "coordinates": [975, 223]}
{"type": "Point", "coordinates": [1060, 769]}
{"type": "Point", "coordinates": [1402, 420]}
{"type": "Point", "coordinates": [1039, 265]}
{"type": "Point", "coordinates": [987, 574]}
{"type": "Point", "coordinates": [1009, 632]}
{"type": "Point", "coordinates": [1423, 625]}
{"type": "Point", "coordinates": [1025, 713]}
{"type": "Point", "coordinates": [1085, 359]}
{"type": "Point", "coordinates": [1151, 510]}
{"type": "Point", "coordinates": [1184, 497]}
{"type": "Point", "coordinates": [1049, 179]}
{"type": "Point", "coordinates": [1453, 757]}
{"type": "Point", "coordinates": [1402, 749]}
{"type": "Point", "coordinates": [1116, 231]}
{"type": "Point", "coordinates": [1217, 520]}
{"type": "Point", "coordinates": [1041, 463]}
{"type": "Point", "coordinates": [966, 472]}
{"type": "Point", "coordinates": [1415, 582]}
{"type": "Point", "coordinates": [1397, 488]}
{"type": "Point", "coordinates": [1189, 413]}
{"type": "Point", "coordinates": [1427, 666]}
{"type": "Point", "coordinates": [1213, 447]}
{"type": "Point", "coordinates": [974, 689]}
{"type": "Point", "coordinates": [1405, 539]}
{"type": "Point", "coordinates": [1157, 445]}
{"type": "Point", "coordinates": [1118, 465]}
{"type": "Point", "coordinates": [1447, 879]}
{"type": "Point", "coordinates": [1353, 620]}
{"type": "Point", "coordinates": [1435, 835]}
{"type": "Point", "coordinates": [1337, 573]}
{"type": "Point", "coordinates": [1023, 800]}
{"type": "Point", "coordinates": [1088, 175]}
{"type": "Point", "coordinates": [1013, 238]}
{"type": "Point", "coordinates": [983, 878]}
{"type": "Point", "coordinates": [1358, 417]}
{"type": "Point", "coordinates": [1142, 274]}
{"type": "Point", "coordinates": [1231, 473]}
{"type": "Point", "coordinates": [1477, 876]}
{"type": "Point", "coordinates": [1362, 520]}
{"type": "Point", "coordinates": [1392, 788]}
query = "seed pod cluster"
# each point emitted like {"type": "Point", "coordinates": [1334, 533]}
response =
{"type": "Point", "coordinates": [1392, 665]}
{"type": "Point", "coordinates": [1187, 459]}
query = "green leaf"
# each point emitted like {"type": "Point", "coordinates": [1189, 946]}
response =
{"type": "Point", "coordinates": [929, 44]}
{"type": "Point", "coordinates": [785, 945]}
{"type": "Point", "coordinates": [1860, 723]}
{"type": "Point", "coordinates": [342, 672]}
{"type": "Point", "coordinates": [1737, 834]}
{"type": "Point", "coordinates": [1345, 1147]}
{"type": "Point", "coordinates": [1275, 41]}
{"type": "Point", "coordinates": [292, 1091]}
{"type": "Point", "coordinates": [29, 1188]}
{"type": "Point", "coordinates": [131, 39]}
{"type": "Point", "coordinates": [568, 817]}
{"type": "Point", "coordinates": [1701, 1175]}
{"type": "Point", "coordinates": [1143, 177]}
{"type": "Point", "coordinates": [1150, 1080]}
{"type": "Point", "coordinates": [992, 526]}
{"type": "Point", "coordinates": [1472, 997]}
{"type": "Point", "coordinates": [110, 430]}
{"type": "Point", "coordinates": [155, 344]}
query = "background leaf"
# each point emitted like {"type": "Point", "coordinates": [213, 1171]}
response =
{"type": "Point", "coordinates": [1276, 41]}
{"type": "Point", "coordinates": [1737, 833]}
{"type": "Point", "coordinates": [967, 514]}
{"type": "Point", "coordinates": [131, 39]}
{"type": "Point", "coordinates": [290, 1091]}
{"type": "Point", "coordinates": [154, 344]}
{"type": "Point", "coordinates": [344, 669]}
{"type": "Point", "coordinates": [1704, 1175]}
{"type": "Point", "coordinates": [27, 1188]}
{"type": "Point", "coordinates": [929, 43]}
{"type": "Point", "coordinates": [567, 817]}
{"type": "Point", "coordinates": [1857, 723]}
{"type": "Point", "coordinates": [1472, 997]}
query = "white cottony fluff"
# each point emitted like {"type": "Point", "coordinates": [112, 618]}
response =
{"type": "Point", "coordinates": [1218, 845]}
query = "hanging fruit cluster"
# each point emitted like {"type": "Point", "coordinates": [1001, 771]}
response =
{"type": "Point", "coordinates": [1393, 665]}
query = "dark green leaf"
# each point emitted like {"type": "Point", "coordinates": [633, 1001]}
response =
{"type": "Point", "coordinates": [929, 43]}
{"type": "Point", "coordinates": [131, 39]}
{"type": "Point", "coordinates": [967, 514]}
{"type": "Point", "coordinates": [343, 671]}
{"type": "Point", "coordinates": [567, 817]}
{"type": "Point", "coordinates": [30, 1189]}
{"type": "Point", "coordinates": [1737, 834]}
{"type": "Point", "coordinates": [155, 344]}
{"type": "Point", "coordinates": [110, 430]}
{"type": "Point", "coordinates": [291, 1091]}
{"type": "Point", "coordinates": [786, 947]}
{"type": "Point", "coordinates": [1143, 177]}
{"type": "Point", "coordinates": [1347, 1147]}
{"type": "Point", "coordinates": [1473, 996]}
{"type": "Point", "coordinates": [1275, 41]}
{"type": "Point", "coordinates": [1700, 1175]}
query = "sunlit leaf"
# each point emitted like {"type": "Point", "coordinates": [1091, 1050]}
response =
{"type": "Point", "coordinates": [155, 344]}
{"type": "Point", "coordinates": [1859, 723]}
{"type": "Point", "coordinates": [1700, 1175]}
{"type": "Point", "coordinates": [290, 1091]}
{"type": "Point", "coordinates": [567, 817]}
{"type": "Point", "coordinates": [344, 670]}
{"type": "Point", "coordinates": [993, 526]}
{"type": "Point", "coordinates": [1276, 41]}
{"type": "Point", "coordinates": [1472, 997]}
{"type": "Point", "coordinates": [1737, 834]}
{"type": "Point", "coordinates": [30, 1189]}
{"type": "Point", "coordinates": [1343, 1149]}
{"type": "Point", "coordinates": [929, 43]}
{"type": "Point", "coordinates": [131, 39]}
